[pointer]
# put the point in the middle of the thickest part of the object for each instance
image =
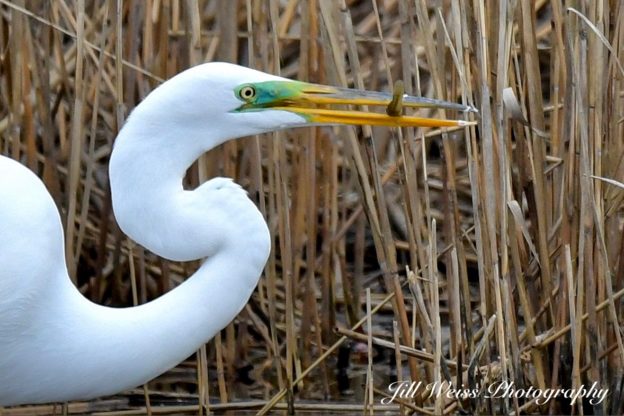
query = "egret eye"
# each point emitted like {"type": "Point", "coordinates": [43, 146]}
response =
{"type": "Point", "coordinates": [247, 93]}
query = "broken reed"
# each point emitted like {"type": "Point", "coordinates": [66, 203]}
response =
{"type": "Point", "coordinates": [495, 248]}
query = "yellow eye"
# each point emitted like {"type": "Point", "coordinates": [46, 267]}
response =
{"type": "Point", "coordinates": [247, 93]}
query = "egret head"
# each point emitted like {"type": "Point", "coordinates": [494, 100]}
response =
{"type": "Point", "coordinates": [231, 101]}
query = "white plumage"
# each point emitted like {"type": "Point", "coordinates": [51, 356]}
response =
{"type": "Point", "coordinates": [55, 345]}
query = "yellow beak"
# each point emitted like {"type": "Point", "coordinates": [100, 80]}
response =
{"type": "Point", "coordinates": [304, 99]}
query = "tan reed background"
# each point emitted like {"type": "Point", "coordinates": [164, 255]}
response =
{"type": "Point", "coordinates": [492, 253]}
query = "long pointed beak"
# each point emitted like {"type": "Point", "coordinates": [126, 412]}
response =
{"type": "Point", "coordinates": [304, 99]}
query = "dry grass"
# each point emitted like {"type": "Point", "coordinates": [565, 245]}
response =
{"type": "Point", "coordinates": [492, 253]}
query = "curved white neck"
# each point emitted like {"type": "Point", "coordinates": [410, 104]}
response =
{"type": "Point", "coordinates": [147, 167]}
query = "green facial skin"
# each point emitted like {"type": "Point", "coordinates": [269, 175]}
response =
{"type": "Point", "coordinates": [268, 94]}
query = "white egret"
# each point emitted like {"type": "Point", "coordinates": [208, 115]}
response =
{"type": "Point", "coordinates": [55, 345]}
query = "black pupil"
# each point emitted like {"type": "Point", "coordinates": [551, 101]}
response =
{"type": "Point", "coordinates": [248, 92]}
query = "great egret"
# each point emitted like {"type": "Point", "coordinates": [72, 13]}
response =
{"type": "Point", "coordinates": [55, 345]}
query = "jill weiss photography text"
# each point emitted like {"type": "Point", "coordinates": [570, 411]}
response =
{"type": "Point", "coordinates": [497, 390]}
